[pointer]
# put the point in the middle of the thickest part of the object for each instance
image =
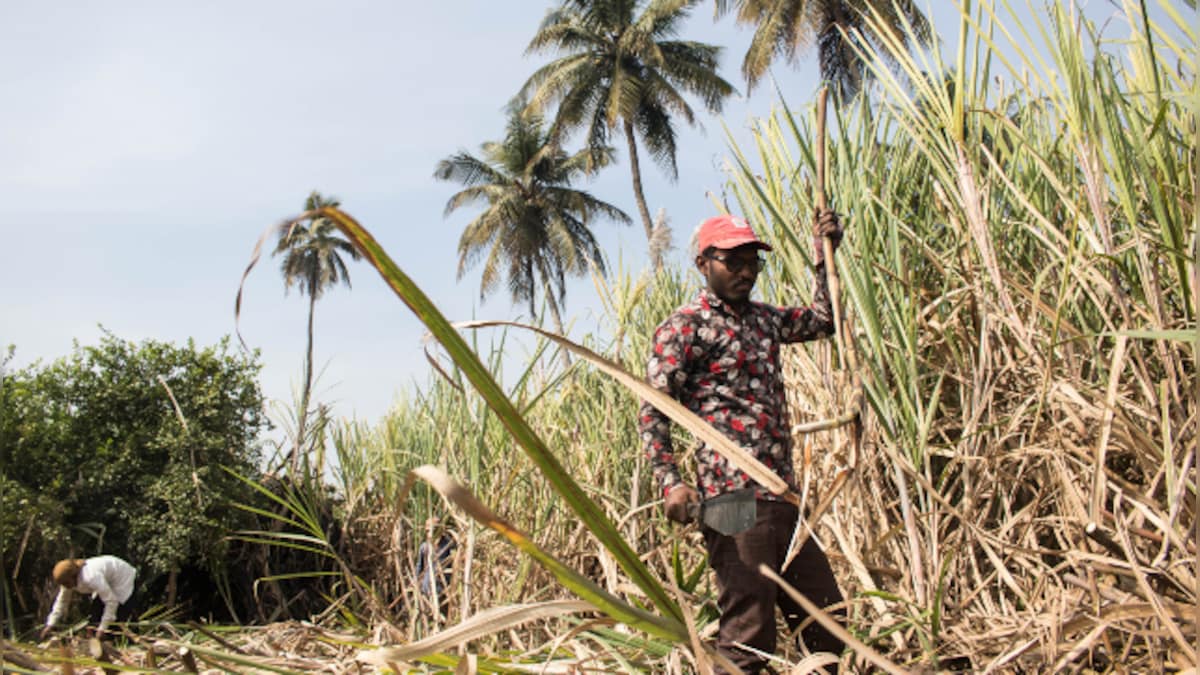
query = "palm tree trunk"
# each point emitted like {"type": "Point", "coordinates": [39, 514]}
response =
{"type": "Point", "coordinates": [556, 316]}
{"type": "Point", "coordinates": [302, 419]}
{"type": "Point", "coordinates": [639, 196]}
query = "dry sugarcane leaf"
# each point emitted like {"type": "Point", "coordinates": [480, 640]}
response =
{"type": "Point", "coordinates": [487, 622]}
{"type": "Point", "coordinates": [832, 624]}
{"type": "Point", "coordinates": [598, 598]}
{"type": "Point", "coordinates": [669, 406]}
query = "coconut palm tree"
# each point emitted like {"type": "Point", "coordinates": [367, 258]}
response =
{"type": "Point", "coordinates": [535, 228]}
{"type": "Point", "coordinates": [622, 68]}
{"type": "Point", "coordinates": [789, 27]}
{"type": "Point", "coordinates": [312, 261]}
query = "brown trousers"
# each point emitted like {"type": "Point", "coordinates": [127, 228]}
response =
{"type": "Point", "coordinates": [747, 599]}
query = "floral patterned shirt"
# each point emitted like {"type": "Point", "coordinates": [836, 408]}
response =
{"type": "Point", "coordinates": [725, 368]}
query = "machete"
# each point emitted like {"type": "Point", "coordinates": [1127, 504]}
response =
{"type": "Point", "coordinates": [728, 513]}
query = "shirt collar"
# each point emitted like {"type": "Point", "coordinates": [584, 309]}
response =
{"type": "Point", "coordinates": [709, 300]}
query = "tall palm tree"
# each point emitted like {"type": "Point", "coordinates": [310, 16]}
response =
{"type": "Point", "coordinates": [622, 68]}
{"type": "Point", "coordinates": [790, 26]}
{"type": "Point", "coordinates": [535, 228]}
{"type": "Point", "coordinates": [312, 261]}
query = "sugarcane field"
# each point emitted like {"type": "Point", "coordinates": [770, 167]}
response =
{"type": "Point", "coordinates": [887, 363]}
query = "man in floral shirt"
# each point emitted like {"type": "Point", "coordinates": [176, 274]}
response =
{"type": "Point", "coordinates": [719, 356]}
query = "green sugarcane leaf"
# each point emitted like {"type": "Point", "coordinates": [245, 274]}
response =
{"type": "Point", "coordinates": [468, 362]}
{"type": "Point", "coordinates": [664, 627]}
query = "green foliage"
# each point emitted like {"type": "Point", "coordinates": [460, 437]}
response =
{"type": "Point", "coordinates": [840, 29]}
{"type": "Point", "coordinates": [96, 458]}
{"type": "Point", "coordinates": [312, 252]}
{"type": "Point", "coordinates": [535, 229]}
{"type": "Point", "coordinates": [582, 414]}
{"type": "Point", "coordinates": [622, 67]}
{"type": "Point", "coordinates": [590, 514]}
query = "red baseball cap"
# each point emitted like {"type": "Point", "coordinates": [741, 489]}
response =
{"type": "Point", "coordinates": [726, 231]}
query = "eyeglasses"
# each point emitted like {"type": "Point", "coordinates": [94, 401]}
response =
{"type": "Point", "coordinates": [736, 265]}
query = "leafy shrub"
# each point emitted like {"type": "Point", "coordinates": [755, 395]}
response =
{"type": "Point", "coordinates": [117, 449]}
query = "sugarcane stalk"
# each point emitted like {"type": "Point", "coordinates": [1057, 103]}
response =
{"type": "Point", "coordinates": [847, 357]}
{"type": "Point", "coordinates": [831, 277]}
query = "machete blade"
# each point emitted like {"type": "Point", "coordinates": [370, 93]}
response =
{"type": "Point", "coordinates": [729, 513]}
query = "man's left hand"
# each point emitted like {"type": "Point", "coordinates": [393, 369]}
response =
{"type": "Point", "coordinates": [826, 224]}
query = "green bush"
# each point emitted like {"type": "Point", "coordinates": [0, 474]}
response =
{"type": "Point", "coordinates": [95, 457]}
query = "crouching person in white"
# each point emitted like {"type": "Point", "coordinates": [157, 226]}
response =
{"type": "Point", "coordinates": [105, 577]}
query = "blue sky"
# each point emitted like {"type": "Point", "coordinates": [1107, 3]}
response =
{"type": "Point", "coordinates": [145, 146]}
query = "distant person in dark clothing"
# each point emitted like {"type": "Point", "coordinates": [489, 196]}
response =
{"type": "Point", "coordinates": [435, 563]}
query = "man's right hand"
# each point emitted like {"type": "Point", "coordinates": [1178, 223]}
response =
{"type": "Point", "coordinates": [677, 501]}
